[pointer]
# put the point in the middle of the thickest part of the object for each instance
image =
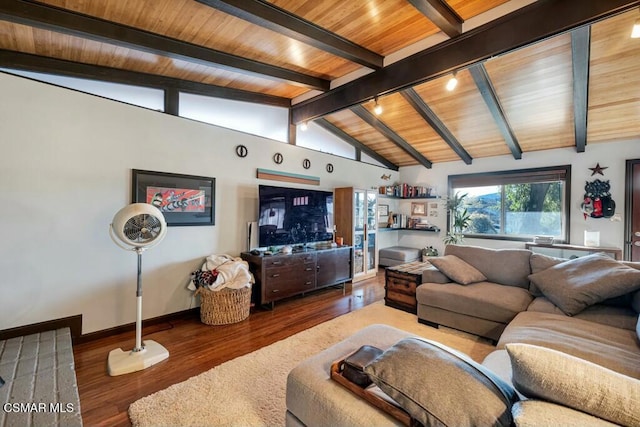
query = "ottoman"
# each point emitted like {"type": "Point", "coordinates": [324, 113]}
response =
{"type": "Point", "coordinates": [396, 255]}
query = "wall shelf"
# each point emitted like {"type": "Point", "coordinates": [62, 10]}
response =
{"type": "Point", "coordinates": [408, 229]}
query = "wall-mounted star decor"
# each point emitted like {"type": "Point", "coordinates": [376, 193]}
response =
{"type": "Point", "coordinates": [598, 169]}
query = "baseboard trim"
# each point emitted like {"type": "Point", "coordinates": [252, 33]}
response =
{"type": "Point", "coordinates": [72, 322]}
{"type": "Point", "coordinates": [131, 327]}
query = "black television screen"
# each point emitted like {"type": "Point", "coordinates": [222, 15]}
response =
{"type": "Point", "coordinates": [292, 216]}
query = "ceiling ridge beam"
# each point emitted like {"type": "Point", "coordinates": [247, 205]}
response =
{"type": "Point", "coordinates": [441, 15]}
{"type": "Point", "coordinates": [330, 127]}
{"type": "Point", "coordinates": [580, 54]}
{"type": "Point", "coordinates": [385, 130]}
{"type": "Point", "coordinates": [488, 92]}
{"type": "Point", "coordinates": [532, 23]}
{"type": "Point", "coordinates": [421, 107]}
{"type": "Point", "coordinates": [281, 21]}
{"type": "Point", "coordinates": [75, 24]}
{"type": "Point", "coordinates": [42, 64]}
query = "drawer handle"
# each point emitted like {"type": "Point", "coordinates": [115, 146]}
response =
{"type": "Point", "coordinates": [276, 262]}
{"type": "Point", "coordinates": [275, 290]}
{"type": "Point", "coordinates": [308, 269]}
{"type": "Point", "coordinates": [275, 275]}
{"type": "Point", "coordinates": [308, 283]}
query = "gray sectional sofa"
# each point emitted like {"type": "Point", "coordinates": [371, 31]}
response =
{"type": "Point", "coordinates": [567, 333]}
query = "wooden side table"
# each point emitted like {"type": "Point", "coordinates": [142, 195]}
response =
{"type": "Point", "coordinates": [401, 282]}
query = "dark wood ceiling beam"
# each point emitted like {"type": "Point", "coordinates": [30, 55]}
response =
{"type": "Point", "coordinates": [580, 53]}
{"type": "Point", "coordinates": [359, 146]}
{"type": "Point", "coordinates": [441, 15]}
{"type": "Point", "coordinates": [75, 24]}
{"type": "Point", "coordinates": [279, 20]}
{"type": "Point", "coordinates": [41, 64]}
{"type": "Point", "coordinates": [421, 107]}
{"type": "Point", "coordinates": [488, 92]}
{"type": "Point", "coordinates": [385, 130]}
{"type": "Point", "coordinates": [532, 23]}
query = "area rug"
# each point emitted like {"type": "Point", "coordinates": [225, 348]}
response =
{"type": "Point", "coordinates": [250, 390]}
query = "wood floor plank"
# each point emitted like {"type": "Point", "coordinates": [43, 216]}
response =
{"type": "Point", "coordinates": [195, 347]}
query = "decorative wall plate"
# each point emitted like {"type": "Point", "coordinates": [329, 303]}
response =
{"type": "Point", "coordinates": [306, 163]}
{"type": "Point", "coordinates": [242, 151]}
{"type": "Point", "coordinates": [277, 158]}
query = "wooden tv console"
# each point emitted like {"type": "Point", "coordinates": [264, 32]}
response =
{"type": "Point", "coordinates": [281, 276]}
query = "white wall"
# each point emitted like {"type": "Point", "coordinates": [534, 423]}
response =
{"type": "Point", "coordinates": [611, 155]}
{"type": "Point", "coordinates": [65, 170]}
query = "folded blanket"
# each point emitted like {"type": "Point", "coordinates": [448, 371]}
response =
{"type": "Point", "coordinates": [232, 273]}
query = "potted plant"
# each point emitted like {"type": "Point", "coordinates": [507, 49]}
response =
{"type": "Point", "coordinates": [459, 219]}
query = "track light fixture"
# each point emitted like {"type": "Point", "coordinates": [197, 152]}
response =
{"type": "Point", "coordinates": [453, 82]}
{"type": "Point", "coordinates": [377, 108]}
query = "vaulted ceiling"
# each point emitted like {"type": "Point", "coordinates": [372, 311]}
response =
{"type": "Point", "coordinates": [532, 75]}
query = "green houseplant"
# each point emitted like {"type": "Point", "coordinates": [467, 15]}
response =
{"type": "Point", "coordinates": [459, 219]}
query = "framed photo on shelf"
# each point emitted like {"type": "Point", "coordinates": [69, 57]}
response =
{"type": "Point", "coordinates": [433, 209]}
{"type": "Point", "coordinates": [418, 208]}
{"type": "Point", "coordinates": [383, 210]}
{"type": "Point", "coordinates": [183, 199]}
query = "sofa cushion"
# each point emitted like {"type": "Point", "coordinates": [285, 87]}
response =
{"type": "Point", "coordinates": [576, 284]}
{"type": "Point", "coordinates": [557, 377]}
{"type": "Point", "coordinates": [484, 300]}
{"type": "Point", "coordinates": [614, 348]}
{"type": "Point", "coordinates": [433, 275]}
{"type": "Point", "coordinates": [536, 413]}
{"type": "Point", "coordinates": [440, 386]}
{"type": "Point", "coordinates": [505, 266]}
{"type": "Point", "coordinates": [620, 317]}
{"type": "Point", "coordinates": [457, 270]}
{"type": "Point", "coordinates": [540, 262]}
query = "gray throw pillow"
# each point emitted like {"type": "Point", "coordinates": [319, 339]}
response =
{"type": "Point", "coordinates": [440, 386]}
{"type": "Point", "coordinates": [550, 375]}
{"type": "Point", "coordinates": [540, 262]}
{"type": "Point", "coordinates": [581, 282]}
{"type": "Point", "coordinates": [457, 270]}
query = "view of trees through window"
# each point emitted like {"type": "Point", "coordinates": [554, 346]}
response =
{"type": "Point", "coordinates": [507, 208]}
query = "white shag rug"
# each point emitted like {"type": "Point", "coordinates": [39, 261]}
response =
{"type": "Point", "coordinates": [250, 390]}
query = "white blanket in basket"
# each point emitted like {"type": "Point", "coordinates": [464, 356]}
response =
{"type": "Point", "coordinates": [232, 272]}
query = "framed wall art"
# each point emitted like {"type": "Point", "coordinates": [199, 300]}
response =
{"type": "Point", "coordinates": [418, 208]}
{"type": "Point", "coordinates": [183, 199]}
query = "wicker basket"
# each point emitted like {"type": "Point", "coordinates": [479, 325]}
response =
{"type": "Point", "coordinates": [224, 306]}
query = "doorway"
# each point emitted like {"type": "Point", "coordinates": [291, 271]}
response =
{"type": "Point", "coordinates": [632, 211]}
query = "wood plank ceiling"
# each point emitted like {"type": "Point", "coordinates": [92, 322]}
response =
{"type": "Point", "coordinates": [532, 75]}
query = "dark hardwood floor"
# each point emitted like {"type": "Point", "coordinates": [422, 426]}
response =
{"type": "Point", "coordinates": [195, 347]}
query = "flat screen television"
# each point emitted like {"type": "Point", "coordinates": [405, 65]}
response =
{"type": "Point", "coordinates": [294, 216]}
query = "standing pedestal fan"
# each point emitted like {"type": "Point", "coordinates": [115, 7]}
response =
{"type": "Point", "coordinates": [138, 226]}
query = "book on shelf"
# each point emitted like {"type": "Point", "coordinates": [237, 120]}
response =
{"type": "Point", "coordinates": [405, 190]}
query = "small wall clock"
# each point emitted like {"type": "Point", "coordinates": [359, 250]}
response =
{"type": "Point", "coordinates": [277, 158]}
{"type": "Point", "coordinates": [329, 168]}
{"type": "Point", "coordinates": [306, 163]}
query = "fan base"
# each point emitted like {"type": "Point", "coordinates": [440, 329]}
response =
{"type": "Point", "coordinates": [123, 362]}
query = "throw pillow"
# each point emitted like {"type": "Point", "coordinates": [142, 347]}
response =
{"type": "Point", "coordinates": [437, 385]}
{"type": "Point", "coordinates": [540, 262]}
{"type": "Point", "coordinates": [567, 380]}
{"type": "Point", "coordinates": [578, 283]}
{"type": "Point", "coordinates": [457, 270]}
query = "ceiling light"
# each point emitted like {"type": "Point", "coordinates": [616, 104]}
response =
{"type": "Point", "coordinates": [377, 108]}
{"type": "Point", "coordinates": [304, 126]}
{"type": "Point", "coordinates": [452, 83]}
{"type": "Point", "coordinates": [635, 32]}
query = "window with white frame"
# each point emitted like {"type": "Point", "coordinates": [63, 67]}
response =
{"type": "Point", "coordinates": [515, 204]}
